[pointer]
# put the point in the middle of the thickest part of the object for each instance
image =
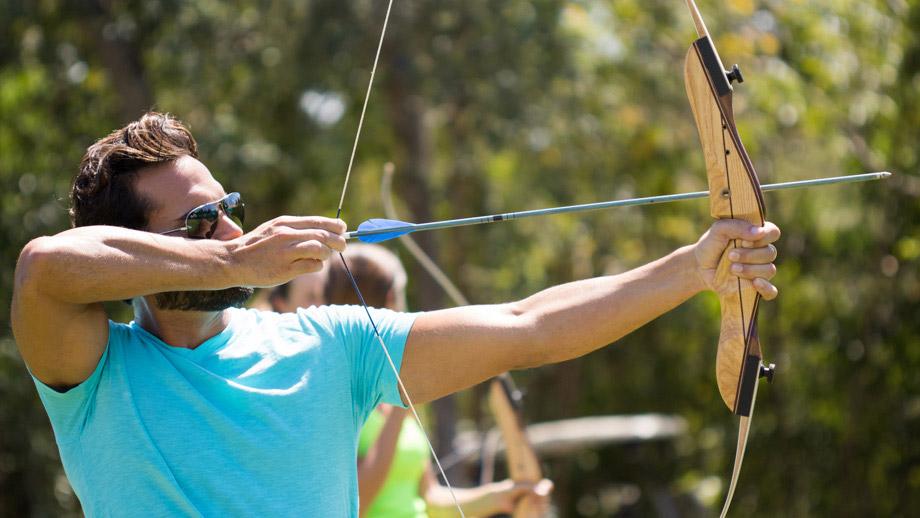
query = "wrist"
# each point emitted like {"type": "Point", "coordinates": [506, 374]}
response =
{"type": "Point", "coordinates": [689, 270]}
{"type": "Point", "coordinates": [226, 266]}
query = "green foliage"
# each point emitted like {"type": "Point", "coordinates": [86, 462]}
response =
{"type": "Point", "coordinates": [493, 106]}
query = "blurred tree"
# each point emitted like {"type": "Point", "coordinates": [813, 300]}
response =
{"type": "Point", "coordinates": [495, 106]}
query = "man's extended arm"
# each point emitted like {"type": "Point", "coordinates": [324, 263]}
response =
{"type": "Point", "coordinates": [452, 349]}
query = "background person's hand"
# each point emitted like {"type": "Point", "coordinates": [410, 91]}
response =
{"type": "Point", "coordinates": [508, 493]}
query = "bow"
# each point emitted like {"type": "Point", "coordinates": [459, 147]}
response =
{"type": "Point", "coordinates": [734, 192]}
{"type": "Point", "coordinates": [504, 397]}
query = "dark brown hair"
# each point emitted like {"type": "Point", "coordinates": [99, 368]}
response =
{"type": "Point", "coordinates": [103, 190]}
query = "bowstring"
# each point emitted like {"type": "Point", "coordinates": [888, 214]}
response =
{"type": "Point", "coordinates": [367, 97]}
{"type": "Point", "coordinates": [354, 283]}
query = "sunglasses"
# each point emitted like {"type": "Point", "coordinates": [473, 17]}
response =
{"type": "Point", "coordinates": [201, 222]}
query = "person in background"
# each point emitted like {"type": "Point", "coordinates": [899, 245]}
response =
{"type": "Point", "coordinates": [395, 475]}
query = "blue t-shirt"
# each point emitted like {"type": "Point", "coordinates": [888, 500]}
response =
{"type": "Point", "coordinates": [261, 419]}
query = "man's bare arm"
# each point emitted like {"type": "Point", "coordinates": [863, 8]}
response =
{"type": "Point", "coordinates": [60, 282]}
{"type": "Point", "coordinates": [453, 349]}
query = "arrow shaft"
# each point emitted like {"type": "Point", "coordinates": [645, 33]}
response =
{"type": "Point", "coordinates": [586, 207]}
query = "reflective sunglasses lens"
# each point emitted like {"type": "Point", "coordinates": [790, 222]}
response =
{"type": "Point", "coordinates": [200, 222]}
{"type": "Point", "coordinates": [234, 207]}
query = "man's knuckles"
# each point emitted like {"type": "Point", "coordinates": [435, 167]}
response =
{"type": "Point", "coordinates": [752, 271]}
{"type": "Point", "coordinates": [309, 266]}
{"type": "Point", "coordinates": [752, 234]}
{"type": "Point", "coordinates": [761, 255]}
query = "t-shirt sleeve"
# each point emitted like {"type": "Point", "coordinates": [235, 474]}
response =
{"type": "Point", "coordinates": [68, 411]}
{"type": "Point", "coordinates": [373, 379]}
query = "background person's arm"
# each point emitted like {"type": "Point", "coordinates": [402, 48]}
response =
{"type": "Point", "coordinates": [485, 500]}
{"type": "Point", "coordinates": [374, 466]}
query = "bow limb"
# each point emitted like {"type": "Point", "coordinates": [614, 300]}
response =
{"type": "Point", "coordinates": [523, 465]}
{"type": "Point", "coordinates": [734, 192]}
{"type": "Point", "coordinates": [504, 397]}
{"type": "Point", "coordinates": [389, 210]}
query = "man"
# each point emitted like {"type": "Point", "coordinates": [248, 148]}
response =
{"type": "Point", "coordinates": [201, 408]}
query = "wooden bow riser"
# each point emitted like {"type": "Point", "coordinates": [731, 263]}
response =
{"type": "Point", "coordinates": [523, 465]}
{"type": "Point", "coordinates": [734, 193]}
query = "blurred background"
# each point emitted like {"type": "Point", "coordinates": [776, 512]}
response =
{"type": "Point", "coordinates": [494, 106]}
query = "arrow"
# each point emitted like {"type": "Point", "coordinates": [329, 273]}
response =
{"type": "Point", "coordinates": [378, 230]}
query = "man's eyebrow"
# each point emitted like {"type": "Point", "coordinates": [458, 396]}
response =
{"type": "Point", "coordinates": [184, 214]}
{"type": "Point", "coordinates": [181, 219]}
{"type": "Point", "coordinates": [153, 207]}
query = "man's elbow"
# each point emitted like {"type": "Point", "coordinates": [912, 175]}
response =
{"type": "Point", "coordinates": [534, 345]}
{"type": "Point", "coordinates": [30, 259]}
{"type": "Point", "coordinates": [34, 265]}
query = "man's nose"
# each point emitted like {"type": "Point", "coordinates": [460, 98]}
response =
{"type": "Point", "coordinates": [227, 228]}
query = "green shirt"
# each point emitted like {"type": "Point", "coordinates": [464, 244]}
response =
{"type": "Point", "coordinates": [398, 497]}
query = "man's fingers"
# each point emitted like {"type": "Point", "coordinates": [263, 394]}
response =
{"type": "Point", "coordinates": [313, 249]}
{"type": "Point", "coordinates": [336, 226]}
{"type": "Point", "coordinates": [325, 231]}
{"type": "Point", "coordinates": [728, 229]}
{"type": "Point", "coordinates": [767, 290]}
{"type": "Point", "coordinates": [763, 255]}
{"type": "Point", "coordinates": [753, 259]}
{"type": "Point", "coordinates": [334, 241]}
{"type": "Point", "coordinates": [287, 246]}
{"type": "Point", "coordinates": [305, 239]}
{"type": "Point", "coordinates": [303, 266]}
{"type": "Point", "coordinates": [759, 274]}
{"type": "Point", "coordinates": [768, 233]}
{"type": "Point", "coordinates": [750, 235]}
{"type": "Point", "coordinates": [753, 271]}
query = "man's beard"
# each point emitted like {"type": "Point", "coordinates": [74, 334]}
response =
{"type": "Point", "coordinates": [216, 300]}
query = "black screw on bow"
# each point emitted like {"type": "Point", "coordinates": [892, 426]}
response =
{"type": "Point", "coordinates": [734, 74]}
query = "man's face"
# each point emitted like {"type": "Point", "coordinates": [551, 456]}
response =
{"type": "Point", "coordinates": [173, 190]}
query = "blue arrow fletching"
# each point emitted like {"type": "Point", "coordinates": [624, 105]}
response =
{"type": "Point", "coordinates": [383, 224]}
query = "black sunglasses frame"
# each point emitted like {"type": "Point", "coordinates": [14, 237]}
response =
{"type": "Point", "coordinates": [231, 204]}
